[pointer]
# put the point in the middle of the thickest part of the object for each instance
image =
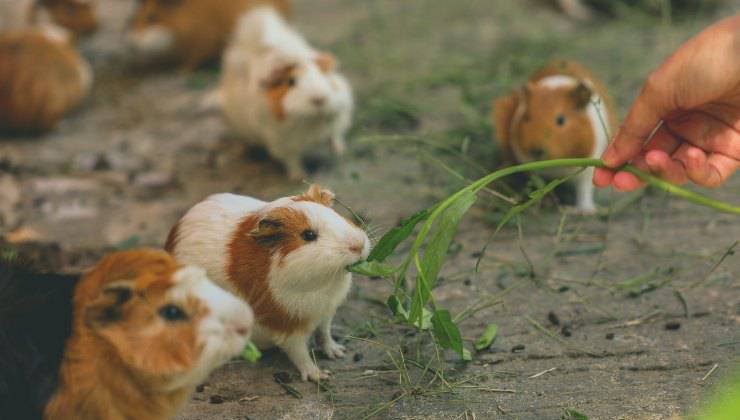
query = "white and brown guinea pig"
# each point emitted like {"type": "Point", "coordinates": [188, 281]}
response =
{"type": "Point", "coordinates": [74, 17]}
{"type": "Point", "coordinates": [278, 91]}
{"type": "Point", "coordinates": [145, 333]}
{"type": "Point", "coordinates": [561, 112]}
{"type": "Point", "coordinates": [286, 258]}
{"type": "Point", "coordinates": [190, 32]}
{"type": "Point", "coordinates": [42, 77]}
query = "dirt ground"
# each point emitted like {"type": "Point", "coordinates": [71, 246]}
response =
{"type": "Point", "coordinates": [623, 316]}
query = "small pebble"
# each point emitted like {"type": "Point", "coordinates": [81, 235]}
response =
{"type": "Point", "coordinates": [467, 282]}
{"type": "Point", "coordinates": [282, 377]}
{"type": "Point", "coordinates": [566, 331]}
{"type": "Point", "coordinates": [200, 388]}
{"type": "Point", "coordinates": [553, 318]}
{"type": "Point", "coordinates": [563, 289]}
{"type": "Point", "coordinates": [609, 336]}
{"type": "Point", "coordinates": [672, 326]}
{"type": "Point", "coordinates": [216, 399]}
{"type": "Point", "coordinates": [517, 348]}
{"type": "Point", "coordinates": [357, 357]}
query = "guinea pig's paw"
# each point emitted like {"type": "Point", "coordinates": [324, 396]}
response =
{"type": "Point", "coordinates": [334, 350]}
{"type": "Point", "coordinates": [582, 210]}
{"type": "Point", "coordinates": [314, 374]}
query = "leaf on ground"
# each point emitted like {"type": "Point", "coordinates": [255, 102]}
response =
{"type": "Point", "coordinates": [395, 236]}
{"type": "Point", "coordinates": [446, 332]}
{"type": "Point", "coordinates": [573, 415]}
{"type": "Point", "coordinates": [372, 269]}
{"type": "Point", "coordinates": [486, 339]}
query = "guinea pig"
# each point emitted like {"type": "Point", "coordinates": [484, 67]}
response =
{"type": "Point", "coordinates": [286, 258]}
{"type": "Point", "coordinates": [73, 18]}
{"type": "Point", "coordinates": [144, 333]}
{"type": "Point", "coordinates": [41, 79]}
{"type": "Point", "coordinates": [561, 112]}
{"type": "Point", "coordinates": [277, 91]}
{"type": "Point", "coordinates": [190, 32]}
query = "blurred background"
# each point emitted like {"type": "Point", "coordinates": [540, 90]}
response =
{"type": "Point", "coordinates": [122, 168]}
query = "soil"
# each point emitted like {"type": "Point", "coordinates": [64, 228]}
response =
{"type": "Point", "coordinates": [121, 170]}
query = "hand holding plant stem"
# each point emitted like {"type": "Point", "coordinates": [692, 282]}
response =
{"type": "Point", "coordinates": [440, 223]}
{"type": "Point", "coordinates": [691, 107]}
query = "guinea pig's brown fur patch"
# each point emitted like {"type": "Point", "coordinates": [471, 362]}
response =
{"type": "Point", "coordinates": [255, 241]}
{"type": "Point", "coordinates": [77, 16]}
{"type": "Point", "coordinates": [39, 81]}
{"type": "Point", "coordinates": [545, 122]}
{"type": "Point", "coordinates": [327, 62]}
{"type": "Point", "coordinates": [172, 238]}
{"type": "Point", "coordinates": [201, 28]}
{"type": "Point", "coordinates": [277, 85]}
{"type": "Point", "coordinates": [121, 354]}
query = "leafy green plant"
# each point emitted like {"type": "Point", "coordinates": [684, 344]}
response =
{"type": "Point", "coordinates": [438, 225]}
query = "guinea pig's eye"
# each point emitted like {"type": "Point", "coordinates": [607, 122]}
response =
{"type": "Point", "coordinates": [560, 120]}
{"type": "Point", "coordinates": [172, 313]}
{"type": "Point", "coordinates": [290, 82]}
{"type": "Point", "coordinates": [309, 235]}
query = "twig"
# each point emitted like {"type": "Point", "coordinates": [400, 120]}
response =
{"type": "Point", "coordinates": [711, 371]}
{"type": "Point", "coordinates": [730, 251]}
{"type": "Point", "coordinates": [638, 321]}
{"type": "Point", "coordinates": [537, 375]}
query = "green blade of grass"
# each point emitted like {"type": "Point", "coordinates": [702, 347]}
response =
{"type": "Point", "coordinates": [372, 269]}
{"type": "Point", "coordinates": [486, 339]}
{"type": "Point", "coordinates": [446, 332]}
{"type": "Point", "coordinates": [396, 236]}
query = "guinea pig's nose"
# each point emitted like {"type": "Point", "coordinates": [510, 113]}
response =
{"type": "Point", "coordinates": [538, 153]}
{"type": "Point", "coordinates": [356, 248]}
{"type": "Point", "coordinates": [318, 101]}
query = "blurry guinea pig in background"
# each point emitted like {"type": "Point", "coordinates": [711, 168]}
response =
{"type": "Point", "coordinates": [188, 32]}
{"type": "Point", "coordinates": [131, 338]}
{"type": "Point", "coordinates": [75, 17]}
{"type": "Point", "coordinates": [279, 92]}
{"type": "Point", "coordinates": [561, 112]}
{"type": "Point", "coordinates": [42, 78]}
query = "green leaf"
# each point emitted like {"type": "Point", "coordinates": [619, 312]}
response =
{"type": "Point", "coordinates": [446, 332]}
{"type": "Point", "coordinates": [251, 353]}
{"type": "Point", "coordinates": [372, 269]}
{"type": "Point", "coordinates": [486, 339]}
{"type": "Point", "coordinates": [436, 252]}
{"type": "Point", "coordinates": [573, 415]}
{"type": "Point", "coordinates": [395, 236]}
{"type": "Point", "coordinates": [397, 308]}
{"type": "Point", "coordinates": [466, 355]}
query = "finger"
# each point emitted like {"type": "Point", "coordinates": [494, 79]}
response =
{"type": "Point", "coordinates": [663, 140]}
{"type": "Point", "coordinates": [706, 170]}
{"type": "Point", "coordinates": [603, 177]}
{"type": "Point", "coordinates": [707, 133]}
{"type": "Point", "coordinates": [642, 119]}
{"type": "Point", "coordinates": [625, 181]}
{"type": "Point", "coordinates": [664, 166]}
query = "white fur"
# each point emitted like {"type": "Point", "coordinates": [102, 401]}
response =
{"type": "Point", "coordinates": [223, 332]}
{"type": "Point", "coordinates": [262, 43]}
{"type": "Point", "coordinates": [310, 282]}
{"type": "Point", "coordinates": [152, 41]}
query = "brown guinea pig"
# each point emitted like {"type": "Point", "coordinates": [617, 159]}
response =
{"type": "Point", "coordinates": [77, 16]}
{"type": "Point", "coordinates": [561, 112]}
{"type": "Point", "coordinates": [41, 79]}
{"type": "Point", "coordinates": [145, 333]}
{"type": "Point", "coordinates": [190, 32]}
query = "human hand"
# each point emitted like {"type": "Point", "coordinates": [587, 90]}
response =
{"type": "Point", "coordinates": [694, 100]}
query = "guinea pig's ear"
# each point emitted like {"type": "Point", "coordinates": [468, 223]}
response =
{"type": "Point", "coordinates": [581, 95]}
{"type": "Point", "coordinates": [268, 232]}
{"type": "Point", "coordinates": [107, 307]}
{"type": "Point", "coordinates": [318, 195]}
{"type": "Point", "coordinates": [169, 2]}
{"type": "Point", "coordinates": [326, 61]}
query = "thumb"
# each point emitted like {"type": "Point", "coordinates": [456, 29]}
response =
{"type": "Point", "coordinates": [634, 132]}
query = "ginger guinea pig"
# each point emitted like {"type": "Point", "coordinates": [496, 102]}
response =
{"type": "Point", "coordinates": [562, 112]}
{"type": "Point", "coordinates": [189, 32]}
{"type": "Point", "coordinates": [145, 332]}
{"type": "Point", "coordinates": [279, 92]}
{"type": "Point", "coordinates": [286, 258]}
{"type": "Point", "coordinates": [41, 79]}
{"type": "Point", "coordinates": [73, 17]}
